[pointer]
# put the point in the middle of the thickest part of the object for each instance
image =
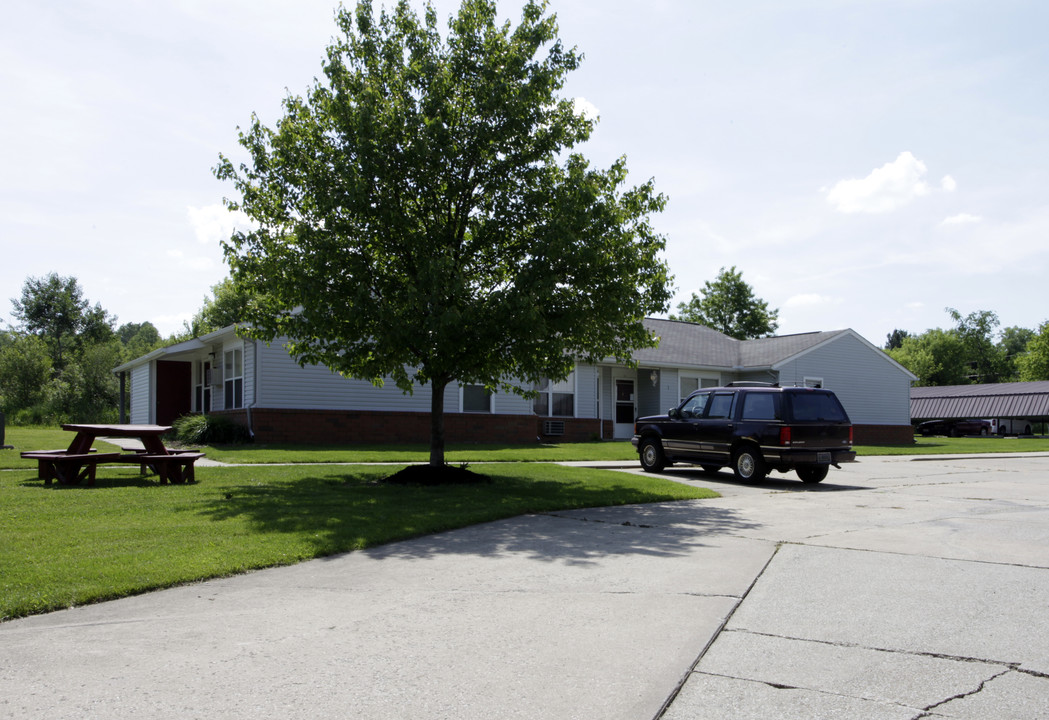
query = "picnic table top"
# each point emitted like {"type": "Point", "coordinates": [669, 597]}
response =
{"type": "Point", "coordinates": [117, 430]}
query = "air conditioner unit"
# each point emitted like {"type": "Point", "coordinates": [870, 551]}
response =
{"type": "Point", "coordinates": [553, 427]}
{"type": "Point", "coordinates": [213, 377]}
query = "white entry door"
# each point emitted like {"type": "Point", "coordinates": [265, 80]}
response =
{"type": "Point", "coordinates": [625, 408]}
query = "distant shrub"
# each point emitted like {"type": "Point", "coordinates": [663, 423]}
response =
{"type": "Point", "coordinates": [209, 430]}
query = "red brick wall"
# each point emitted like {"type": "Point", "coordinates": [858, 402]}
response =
{"type": "Point", "coordinates": [307, 427]}
{"type": "Point", "coordinates": [883, 435]}
{"type": "Point", "coordinates": [327, 427]}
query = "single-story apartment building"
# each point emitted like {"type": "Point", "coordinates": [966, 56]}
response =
{"type": "Point", "coordinates": [261, 386]}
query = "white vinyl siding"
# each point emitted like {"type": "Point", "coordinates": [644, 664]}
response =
{"type": "Point", "coordinates": [141, 383]}
{"type": "Point", "coordinates": [283, 384]}
{"type": "Point", "coordinates": [586, 391]}
{"type": "Point", "coordinates": [873, 390]}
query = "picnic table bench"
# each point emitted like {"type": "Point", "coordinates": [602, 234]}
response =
{"type": "Point", "coordinates": [66, 467]}
{"type": "Point", "coordinates": [78, 462]}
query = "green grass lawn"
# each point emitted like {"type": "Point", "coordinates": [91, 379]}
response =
{"type": "Point", "coordinates": [50, 438]}
{"type": "Point", "coordinates": [963, 445]}
{"type": "Point", "coordinates": [65, 546]}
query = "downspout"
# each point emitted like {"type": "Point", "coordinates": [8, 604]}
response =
{"type": "Point", "coordinates": [254, 390]}
{"type": "Point", "coordinates": [600, 420]}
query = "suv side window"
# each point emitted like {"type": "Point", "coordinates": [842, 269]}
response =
{"type": "Point", "coordinates": [761, 406]}
{"type": "Point", "coordinates": [693, 407]}
{"type": "Point", "coordinates": [721, 405]}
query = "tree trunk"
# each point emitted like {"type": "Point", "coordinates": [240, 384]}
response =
{"type": "Point", "coordinates": [437, 424]}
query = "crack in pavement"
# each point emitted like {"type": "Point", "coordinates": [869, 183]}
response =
{"type": "Point", "coordinates": [798, 688]}
{"type": "Point", "coordinates": [713, 638]}
{"type": "Point", "coordinates": [959, 696]}
{"type": "Point", "coordinates": [947, 558]}
{"type": "Point", "coordinates": [1005, 668]}
{"type": "Point", "coordinates": [1010, 665]}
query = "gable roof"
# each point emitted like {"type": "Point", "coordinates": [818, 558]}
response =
{"type": "Point", "coordinates": [685, 344]}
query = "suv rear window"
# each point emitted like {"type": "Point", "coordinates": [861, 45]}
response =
{"type": "Point", "coordinates": [816, 406]}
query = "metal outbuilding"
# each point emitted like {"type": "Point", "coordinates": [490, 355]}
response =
{"type": "Point", "coordinates": [995, 400]}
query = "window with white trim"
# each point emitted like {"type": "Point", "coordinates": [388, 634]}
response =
{"type": "Point", "coordinates": [555, 399]}
{"type": "Point", "coordinates": [688, 384]}
{"type": "Point", "coordinates": [233, 379]}
{"type": "Point", "coordinates": [476, 399]}
{"type": "Point", "coordinates": [202, 389]}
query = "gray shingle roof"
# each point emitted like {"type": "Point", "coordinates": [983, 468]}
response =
{"type": "Point", "coordinates": [688, 344]}
{"type": "Point", "coordinates": [684, 344]}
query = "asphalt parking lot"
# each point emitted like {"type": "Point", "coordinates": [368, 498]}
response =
{"type": "Point", "coordinates": [895, 589]}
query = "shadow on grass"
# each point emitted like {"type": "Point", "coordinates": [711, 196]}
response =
{"type": "Point", "coordinates": [342, 512]}
{"type": "Point", "coordinates": [108, 481]}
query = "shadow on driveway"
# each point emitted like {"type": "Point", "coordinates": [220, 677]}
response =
{"type": "Point", "coordinates": [776, 482]}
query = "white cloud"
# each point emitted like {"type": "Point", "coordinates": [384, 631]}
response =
{"type": "Point", "coordinates": [807, 300]}
{"type": "Point", "coordinates": [886, 188]}
{"type": "Point", "coordinates": [585, 108]}
{"type": "Point", "coordinates": [214, 223]}
{"type": "Point", "coordinates": [948, 184]}
{"type": "Point", "coordinates": [961, 219]}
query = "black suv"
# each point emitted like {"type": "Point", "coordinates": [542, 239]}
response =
{"type": "Point", "coordinates": [752, 428]}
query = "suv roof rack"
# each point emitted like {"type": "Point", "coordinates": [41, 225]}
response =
{"type": "Point", "coordinates": [751, 383]}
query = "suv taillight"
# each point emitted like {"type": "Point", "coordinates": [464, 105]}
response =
{"type": "Point", "coordinates": [784, 436]}
{"type": "Point", "coordinates": [850, 435]}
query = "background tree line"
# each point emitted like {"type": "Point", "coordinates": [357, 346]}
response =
{"type": "Point", "coordinates": [973, 351]}
{"type": "Point", "coordinates": [56, 363]}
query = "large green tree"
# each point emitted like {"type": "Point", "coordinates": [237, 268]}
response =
{"type": "Point", "coordinates": [728, 304]}
{"type": "Point", "coordinates": [1013, 342]}
{"type": "Point", "coordinates": [57, 365]}
{"type": "Point", "coordinates": [937, 357]}
{"type": "Point", "coordinates": [53, 308]}
{"type": "Point", "coordinates": [421, 215]}
{"type": "Point", "coordinates": [25, 369]}
{"type": "Point", "coordinates": [986, 359]}
{"type": "Point", "coordinates": [1034, 363]}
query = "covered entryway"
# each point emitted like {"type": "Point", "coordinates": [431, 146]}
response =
{"type": "Point", "coordinates": [174, 390]}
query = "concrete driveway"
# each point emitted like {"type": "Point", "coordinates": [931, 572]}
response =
{"type": "Point", "coordinates": [895, 589]}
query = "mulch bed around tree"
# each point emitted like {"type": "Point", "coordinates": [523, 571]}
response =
{"type": "Point", "coordinates": [436, 475]}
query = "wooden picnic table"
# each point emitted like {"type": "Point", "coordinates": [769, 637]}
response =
{"type": "Point", "coordinates": [78, 462]}
{"type": "Point", "coordinates": [148, 434]}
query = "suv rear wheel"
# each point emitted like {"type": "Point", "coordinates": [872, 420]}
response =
{"type": "Point", "coordinates": [812, 473]}
{"type": "Point", "coordinates": [652, 457]}
{"type": "Point", "coordinates": [748, 464]}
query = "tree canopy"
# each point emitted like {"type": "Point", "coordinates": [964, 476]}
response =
{"type": "Point", "coordinates": [728, 304]}
{"type": "Point", "coordinates": [969, 352]}
{"type": "Point", "coordinates": [1033, 364]}
{"type": "Point", "coordinates": [895, 339]}
{"type": "Point", "coordinates": [57, 364]}
{"type": "Point", "coordinates": [53, 308]}
{"type": "Point", "coordinates": [421, 216]}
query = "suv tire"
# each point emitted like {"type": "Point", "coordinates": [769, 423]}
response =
{"type": "Point", "coordinates": [748, 464]}
{"type": "Point", "coordinates": [652, 457]}
{"type": "Point", "coordinates": [812, 473]}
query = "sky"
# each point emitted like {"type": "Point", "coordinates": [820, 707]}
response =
{"type": "Point", "coordinates": [864, 163]}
